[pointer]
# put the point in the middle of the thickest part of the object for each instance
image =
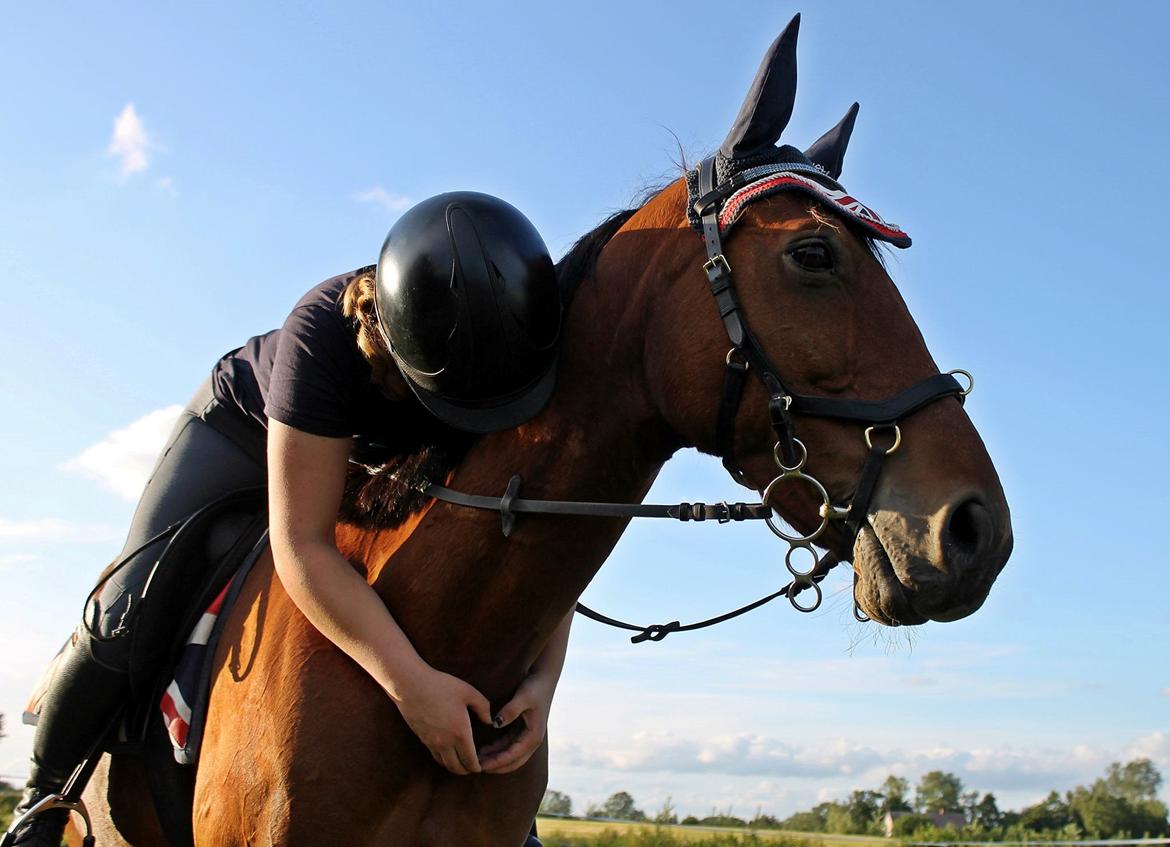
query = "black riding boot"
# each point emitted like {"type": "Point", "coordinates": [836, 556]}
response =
{"type": "Point", "coordinates": [77, 710]}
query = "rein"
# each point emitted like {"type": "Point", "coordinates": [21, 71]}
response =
{"type": "Point", "coordinates": [716, 209]}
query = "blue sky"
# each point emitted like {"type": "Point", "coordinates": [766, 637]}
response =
{"type": "Point", "coordinates": [171, 181]}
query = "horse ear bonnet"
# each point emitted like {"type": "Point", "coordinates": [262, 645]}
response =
{"type": "Point", "coordinates": [750, 153]}
{"type": "Point", "coordinates": [828, 151]}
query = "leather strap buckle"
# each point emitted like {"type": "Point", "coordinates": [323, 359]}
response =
{"type": "Point", "coordinates": [717, 267]}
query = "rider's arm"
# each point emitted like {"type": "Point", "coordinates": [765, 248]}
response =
{"type": "Point", "coordinates": [306, 475]}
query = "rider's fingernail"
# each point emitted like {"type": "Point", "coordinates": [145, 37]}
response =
{"type": "Point", "coordinates": [498, 721]}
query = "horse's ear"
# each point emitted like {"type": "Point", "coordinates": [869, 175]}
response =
{"type": "Point", "coordinates": [768, 105]}
{"type": "Point", "coordinates": [828, 151]}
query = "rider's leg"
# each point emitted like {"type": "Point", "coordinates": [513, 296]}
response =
{"type": "Point", "coordinates": [198, 464]}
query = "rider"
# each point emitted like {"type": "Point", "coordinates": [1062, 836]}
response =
{"type": "Point", "coordinates": [455, 332]}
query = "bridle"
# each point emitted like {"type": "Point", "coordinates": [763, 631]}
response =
{"type": "Point", "coordinates": [716, 207]}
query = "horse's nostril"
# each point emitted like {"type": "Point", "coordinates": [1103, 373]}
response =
{"type": "Point", "coordinates": [968, 529]}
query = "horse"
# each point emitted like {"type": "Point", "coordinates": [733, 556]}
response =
{"type": "Point", "coordinates": [303, 748]}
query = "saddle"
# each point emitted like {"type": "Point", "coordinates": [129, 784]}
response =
{"type": "Point", "coordinates": [203, 564]}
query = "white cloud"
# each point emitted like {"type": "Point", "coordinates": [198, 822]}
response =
{"type": "Point", "coordinates": [379, 196]}
{"type": "Point", "coordinates": [130, 144]}
{"type": "Point", "coordinates": [122, 461]}
{"type": "Point", "coordinates": [166, 184]}
{"type": "Point", "coordinates": [1155, 747]}
{"type": "Point", "coordinates": [1166, 691]}
{"type": "Point", "coordinates": [843, 765]}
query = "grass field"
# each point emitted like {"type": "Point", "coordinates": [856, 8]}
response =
{"type": "Point", "coordinates": [558, 832]}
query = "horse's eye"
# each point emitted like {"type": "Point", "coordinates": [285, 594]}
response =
{"type": "Point", "coordinates": [813, 257]}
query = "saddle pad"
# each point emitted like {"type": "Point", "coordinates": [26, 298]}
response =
{"type": "Point", "coordinates": [184, 702]}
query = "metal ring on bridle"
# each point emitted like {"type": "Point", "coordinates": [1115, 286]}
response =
{"type": "Point", "coordinates": [970, 380]}
{"type": "Point", "coordinates": [897, 437]}
{"type": "Point", "coordinates": [805, 582]}
{"type": "Point", "coordinates": [730, 353]}
{"type": "Point", "coordinates": [780, 461]}
{"type": "Point", "coordinates": [771, 519]}
{"type": "Point", "coordinates": [792, 569]}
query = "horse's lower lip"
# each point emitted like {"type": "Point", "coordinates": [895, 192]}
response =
{"type": "Point", "coordinates": [889, 602]}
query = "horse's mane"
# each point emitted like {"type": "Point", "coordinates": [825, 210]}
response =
{"type": "Point", "coordinates": [381, 493]}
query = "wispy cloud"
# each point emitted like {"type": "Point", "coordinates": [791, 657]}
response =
{"type": "Point", "coordinates": [121, 462]}
{"type": "Point", "coordinates": [130, 144]}
{"type": "Point", "coordinates": [1166, 691]}
{"type": "Point", "coordinates": [379, 196]}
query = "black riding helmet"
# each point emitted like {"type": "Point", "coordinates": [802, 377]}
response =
{"type": "Point", "coordinates": [468, 301]}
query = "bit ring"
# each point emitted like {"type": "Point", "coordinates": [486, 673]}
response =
{"type": "Point", "coordinates": [771, 519]}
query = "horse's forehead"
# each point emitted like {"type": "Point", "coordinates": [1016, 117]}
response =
{"type": "Point", "coordinates": [788, 213]}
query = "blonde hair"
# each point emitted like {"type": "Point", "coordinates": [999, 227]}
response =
{"type": "Point", "coordinates": [357, 304]}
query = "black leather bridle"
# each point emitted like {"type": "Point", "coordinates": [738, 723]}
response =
{"type": "Point", "coordinates": [746, 355]}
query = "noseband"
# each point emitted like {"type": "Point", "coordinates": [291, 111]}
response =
{"type": "Point", "coordinates": [716, 209]}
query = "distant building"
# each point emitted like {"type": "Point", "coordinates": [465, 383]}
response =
{"type": "Point", "coordinates": [942, 820]}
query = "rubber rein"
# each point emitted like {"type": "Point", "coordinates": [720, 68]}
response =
{"type": "Point", "coordinates": [716, 208]}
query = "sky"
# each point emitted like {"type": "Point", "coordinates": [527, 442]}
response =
{"type": "Point", "coordinates": [173, 178]}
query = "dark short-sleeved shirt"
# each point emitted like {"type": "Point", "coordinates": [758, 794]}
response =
{"type": "Point", "coordinates": [311, 375]}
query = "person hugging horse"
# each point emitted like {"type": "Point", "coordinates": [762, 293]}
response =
{"type": "Point", "coordinates": [453, 334]}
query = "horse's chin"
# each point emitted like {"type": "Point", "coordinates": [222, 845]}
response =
{"type": "Point", "coordinates": [879, 591]}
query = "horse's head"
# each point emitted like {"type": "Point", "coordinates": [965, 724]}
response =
{"type": "Point", "coordinates": [828, 321]}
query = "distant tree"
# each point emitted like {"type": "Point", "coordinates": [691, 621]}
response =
{"type": "Point", "coordinates": [556, 803]}
{"type": "Point", "coordinates": [762, 821]}
{"type": "Point", "coordinates": [938, 792]}
{"type": "Point", "coordinates": [894, 792]}
{"type": "Point", "coordinates": [666, 815]}
{"type": "Point", "coordinates": [858, 815]}
{"type": "Point", "coordinates": [621, 806]}
{"type": "Point", "coordinates": [1134, 781]}
{"type": "Point", "coordinates": [814, 820]}
{"type": "Point", "coordinates": [690, 820]}
{"type": "Point", "coordinates": [905, 827]}
{"type": "Point", "coordinates": [1122, 804]}
{"type": "Point", "coordinates": [986, 813]}
{"type": "Point", "coordinates": [1050, 813]}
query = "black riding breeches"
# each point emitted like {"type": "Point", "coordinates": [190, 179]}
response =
{"type": "Point", "coordinates": [198, 465]}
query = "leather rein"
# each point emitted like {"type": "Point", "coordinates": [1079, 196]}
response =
{"type": "Point", "coordinates": [745, 356]}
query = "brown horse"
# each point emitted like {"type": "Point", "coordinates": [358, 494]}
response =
{"type": "Point", "coordinates": [303, 748]}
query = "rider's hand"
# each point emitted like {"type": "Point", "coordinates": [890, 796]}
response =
{"type": "Point", "coordinates": [435, 705]}
{"type": "Point", "coordinates": [531, 704]}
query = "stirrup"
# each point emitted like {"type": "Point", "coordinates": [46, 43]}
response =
{"type": "Point", "coordinates": [46, 804]}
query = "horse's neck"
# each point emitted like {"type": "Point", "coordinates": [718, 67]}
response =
{"type": "Point", "coordinates": [480, 605]}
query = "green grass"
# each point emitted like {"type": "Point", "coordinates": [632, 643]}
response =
{"type": "Point", "coordinates": [558, 832]}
